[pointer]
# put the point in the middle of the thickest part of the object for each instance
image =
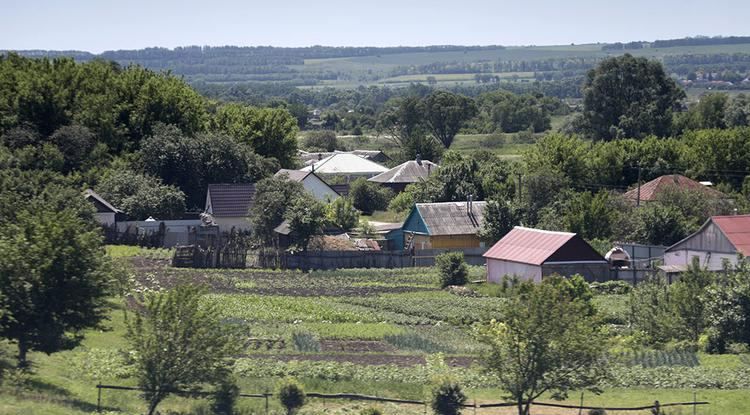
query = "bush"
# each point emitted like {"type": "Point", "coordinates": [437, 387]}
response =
{"type": "Point", "coordinates": [371, 411]}
{"type": "Point", "coordinates": [322, 140]}
{"type": "Point", "coordinates": [292, 396]}
{"type": "Point", "coordinates": [341, 213]}
{"type": "Point", "coordinates": [368, 196]}
{"type": "Point", "coordinates": [452, 268]}
{"type": "Point", "coordinates": [305, 342]}
{"type": "Point", "coordinates": [225, 397]}
{"type": "Point", "coordinates": [597, 411]}
{"type": "Point", "coordinates": [447, 399]}
{"type": "Point", "coordinates": [611, 287]}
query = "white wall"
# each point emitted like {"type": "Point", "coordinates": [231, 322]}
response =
{"type": "Point", "coordinates": [713, 261]}
{"type": "Point", "coordinates": [318, 188]}
{"type": "Point", "coordinates": [240, 223]}
{"type": "Point", "coordinates": [496, 269]}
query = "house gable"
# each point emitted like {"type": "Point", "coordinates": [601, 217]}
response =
{"type": "Point", "coordinates": [575, 250]}
{"type": "Point", "coordinates": [414, 223]}
{"type": "Point", "coordinates": [708, 238]}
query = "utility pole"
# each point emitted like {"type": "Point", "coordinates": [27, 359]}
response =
{"type": "Point", "coordinates": [638, 197]}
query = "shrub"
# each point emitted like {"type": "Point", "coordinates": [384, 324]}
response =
{"type": "Point", "coordinates": [452, 268]}
{"type": "Point", "coordinates": [305, 342]}
{"type": "Point", "coordinates": [341, 213]}
{"type": "Point", "coordinates": [368, 196]}
{"type": "Point", "coordinates": [225, 397]}
{"type": "Point", "coordinates": [371, 411]}
{"type": "Point", "coordinates": [322, 140]}
{"type": "Point", "coordinates": [292, 396]}
{"type": "Point", "coordinates": [447, 398]}
{"type": "Point", "coordinates": [611, 287]}
{"type": "Point", "coordinates": [597, 411]}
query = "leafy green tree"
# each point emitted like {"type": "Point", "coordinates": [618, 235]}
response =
{"type": "Point", "coordinates": [141, 196]}
{"type": "Point", "coordinates": [270, 132]}
{"type": "Point", "coordinates": [727, 307]}
{"type": "Point", "coordinates": [445, 113]}
{"type": "Point", "coordinates": [626, 96]}
{"type": "Point", "coordinates": [689, 298]}
{"type": "Point", "coordinates": [652, 313]}
{"type": "Point", "coordinates": [452, 268]}
{"type": "Point", "coordinates": [192, 163]}
{"type": "Point", "coordinates": [53, 277]}
{"type": "Point", "coordinates": [547, 343]}
{"type": "Point", "coordinates": [718, 154]}
{"type": "Point", "coordinates": [342, 213]}
{"type": "Point", "coordinates": [324, 140]}
{"type": "Point", "coordinates": [292, 396]}
{"type": "Point", "coordinates": [738, 111]}
{"type": "Point", "coordinates": [447, 398]}
{"type": "Point", "coordinates": [181, 343]}
{"type": "Point", "coordinates": [273, 196]}
{"type": "Point", "coordinates": [590, 215]}
{"type": "Point", "coordinates": [657, 224]}
{"type": "Point", "coordinates": [368, 196]}
{"type": "Point", "coordinates": [499, 218]}
{"type": "Point", "coordinates": [306, 217]}
{"type": "Point", "coordinates": [402, 121]}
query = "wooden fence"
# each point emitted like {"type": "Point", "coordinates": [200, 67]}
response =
{"type": "Point", "coordinates": [656, 406]}
{"type": "Point", "coordinates": [193, 256]}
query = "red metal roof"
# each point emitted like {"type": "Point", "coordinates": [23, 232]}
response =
{"type": "Point", "coordinates": [737, 230]}
{"type": "Point", "coordinates": [650, 190]}
{"type": "Point", "coordinates": [528, 246]}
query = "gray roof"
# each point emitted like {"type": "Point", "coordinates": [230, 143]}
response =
{"type": "Point", "coordinates": [231, 200]}
{"type": "Point", "coordinates": [90, 194]}
{"type": "Point", "coordinates": [294, 175]}
{"type": "Point", "coordinates": [452, 218]}
{"type": "Point", "coordinates": [410, 172]}
{"type": "Point", "coordinates": [308, 158]}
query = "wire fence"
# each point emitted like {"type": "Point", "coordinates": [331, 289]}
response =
{"type": "Point", "coordinates": [656, 407]}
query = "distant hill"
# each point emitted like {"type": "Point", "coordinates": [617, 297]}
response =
{"type": "Point", "coordinates": [446, 65]}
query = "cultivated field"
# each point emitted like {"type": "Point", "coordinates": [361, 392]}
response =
{"type": "Point", "coordinates": [376, 332]}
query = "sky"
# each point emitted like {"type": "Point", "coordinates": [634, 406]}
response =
{"type": "Point", "coordinates": [99, 25]}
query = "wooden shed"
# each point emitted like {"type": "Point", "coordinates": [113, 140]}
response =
{"type": "Point", "coordinates": [446, 225]}
{"type": "Point", "coordinates": [532, 254]}
{"type": "Point", "coordinates": [412, 171]}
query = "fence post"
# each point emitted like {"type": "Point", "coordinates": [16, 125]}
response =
{"type": "Point", "coordinates": [475, 406]}
{"type": "Point", "coordinates": [580, 410]}
{"type": "Point", "coordinates": [694, 400]}
{"type": "Point", "coordinates": [266, 395]}
{"type": "Point", "coordinates": [99, 397]}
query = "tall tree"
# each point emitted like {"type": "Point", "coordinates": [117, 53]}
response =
{"type": "Point", "coordinates": [445, 113]}
{"type": "Point", "coordinates": [630, 97]}
{"type": "Point", "coordinates": [547, 342]}
{"type": "Point", "coordinates": [306, 216]}
{"type": "Point", "coordinates": [181, 343]}
{"type": "Point", "coordinates": [53, 277]}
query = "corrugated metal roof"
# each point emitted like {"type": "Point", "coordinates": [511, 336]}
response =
{"type": "Point", "coordinates": [410, 172]}
{"type": "Point", "coordinates": [528, 246]}
{"type": "Point", "coordinates": [452, 218]}
{"type": "Point", "coordinates": [294, 175]}
{"type": "Point", "coordinates": [231, 200]}
{"type": "Point", "coordinates": [737, 230]}
{"type": "Point", "coordinates": [311, 157]}
{"type": "Point", "coordinates": [345, 163]}
{"type": "Point", "coordinates": [650, 190]}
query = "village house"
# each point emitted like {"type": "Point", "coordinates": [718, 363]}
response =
{"type": "Point", "coordinates": [311, 182]}
{"type": "Point", "coordinates": [446, 225]}
{"type": "Point", "coordinates": [404, 174]}
{"type": "Point", "coordinates": [532, 254]}
{"type": "Point", "coordinates": [717, 243]}
{"type": "Point", "coordinates": [229, 205]}
{"type": "Point", "coordinates": [650, 191]}
{"type": "Point", "coordinates": [307, 158]}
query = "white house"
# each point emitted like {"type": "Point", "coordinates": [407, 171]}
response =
{"type": "Point", "coordinates": [229, 205]}
{"type": "Point", "coordinates": [105, 212]}
{"type": "Point", "coordinates": [717, 242]}
{"type": "Point", "coordinates": [346, 164]}
{"type": "Point", "coordinates": [311, 182]}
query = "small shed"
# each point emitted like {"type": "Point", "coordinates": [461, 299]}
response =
{"type": "Point", "coordinates": [229, 204]}
{"type": "Point", "coordinates": [532, 254]}
{"type": "Point", "coordinates": [404, 174]}
{"type": "Point", "coordinates": [106, 214]}
{"type": "Point", "coordinates": [311, 182]}
{"type": "Point", "coordinates": [446, 225]}
{"type": "Point", "coordinates": [718, 242]}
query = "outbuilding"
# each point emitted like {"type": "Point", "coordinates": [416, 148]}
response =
{"type": "Point", "coordinates": [445, 225]}
{"type": "Point", "coordinates": [106, 214]}
{"type": "Point", "coordinates": [533, 254]}
{"type": "Point", "coordinates": [311, 182]}
{"type": "Point", "coordinates": [717, 243]}
{"type": "Point", "coordinates": [412, 171]}
{"type": "Point", "coordinates": [229, 205]}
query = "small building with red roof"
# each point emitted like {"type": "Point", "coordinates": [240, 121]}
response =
{"type": "Point", "coordinates": [717, 243]}
{"type": "Point", "coordinates": [532, 254]}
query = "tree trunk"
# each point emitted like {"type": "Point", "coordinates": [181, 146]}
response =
{"type": "Point", "coordinates": [153, 403]}
{"type": "Point", "coordinates": [23, 349]}
{"type": "Point", "coordinates": [521, 410]}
